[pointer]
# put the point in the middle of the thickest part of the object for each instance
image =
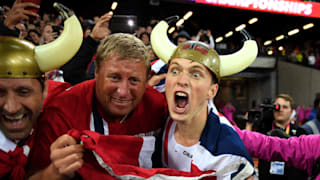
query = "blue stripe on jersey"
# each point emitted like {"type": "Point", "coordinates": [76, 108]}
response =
{"type": "Point", "coordinates": [219, 138]}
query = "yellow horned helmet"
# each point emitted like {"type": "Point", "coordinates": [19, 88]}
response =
{"type": "Point", "coordinates": [21, 59]}
{"type": "Point", "coordinates": [222, 65]}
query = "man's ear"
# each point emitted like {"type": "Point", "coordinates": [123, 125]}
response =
{"type": "Point", "coordinates": [96, 70]}
{"type": "Point", "coordinates": [213, 90]}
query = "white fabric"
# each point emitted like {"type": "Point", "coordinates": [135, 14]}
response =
{"type": "Point", "coordinates": [145, 160]}
{"type": "Point", "coordinates": [105, 125]}
{"type": "Point", "coordinates": [6, 144]}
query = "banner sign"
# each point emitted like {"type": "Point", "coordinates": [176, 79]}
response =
{"type": "Point", "coordinates": [297, 8]}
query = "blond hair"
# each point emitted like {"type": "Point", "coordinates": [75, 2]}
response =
{"type": "Point", "coordinates": [286, 97]}
{"type": "Point", "coordinates": [123, 45]}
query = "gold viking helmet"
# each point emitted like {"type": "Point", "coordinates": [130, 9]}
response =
{"type": "Point", "coordinates": [21, 59]}
{"type": "Point", "coordinates": [199, 52]}
{"type": "Point", "coordinates": [227, 65]}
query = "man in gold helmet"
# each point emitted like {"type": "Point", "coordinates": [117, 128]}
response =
{"type": "Point", "coordinates": [197, 137]}
{"type": "Point", "coordinates": [24, 91]}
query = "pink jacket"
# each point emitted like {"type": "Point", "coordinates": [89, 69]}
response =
{"type": "Point", "coordinates": [300, 152]}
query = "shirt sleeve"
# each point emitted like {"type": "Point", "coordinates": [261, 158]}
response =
{"type": "Point", "coordinates": [300, 152]}
{"type": "Point", "coordinates": [50, 127]}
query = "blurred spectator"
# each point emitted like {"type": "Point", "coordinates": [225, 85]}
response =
{"type": "Point", "coordinates": [315, 109]}
{"type": "Point", "coordinates": [312, 126]}
{"type": "Point", "coordinates": [311, 59]}
{"type": "Point", "coordinates": [16, 15]}
{"type": "Point", "coordinates": [87, 27]}
{"type": "Point", "coordinates": [181, 37]}
{"type": "Point", "coordinates": [206, 37]}
{"type": "Point", "coordinates": [34, 36]}
{"type": "Point", "coordinates": [81, 66]}
{"type": "Point", "coordinates": [23, 30]}
{"type": "Point", "coordinates": [152, 54]}
{"type": "Point", "coordinates": [145, 38]}
{"type": "Point", "coordinates": [47, 34]}
{"type": "Point", "coordinates": [140, 30]}
{"type": "Point", "coordinates": [228, 109]}
{"type": "Point", "coordinates": [149, 29]}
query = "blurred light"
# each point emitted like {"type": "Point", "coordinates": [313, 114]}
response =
{"type": "Point", "coordinates": [130, 22]}
{"type": "Point", "coordinates": [180, 22]}
{"type": "Point", "coordinates": [253, 20]}
{"type": "Point", "coordinates": [228, 34]}
{"type": "Point", "coordinates": [219, 39]}
{"type": "Point", "coordinates": [266, 43]}
{"type": "Point", "coordinates": [278, 38]}
{"type": "Point", "coordinates": [308, 26]}
{"type": "Point", "coordinates": [270, 52]}
{"type": "Point", "coordinates": [293, 32]}
{"type": "Point", "coordinates": [280, 48]}
{"type": "Point", "coordinates": [240, 27]}
{"type": "Point", "coordinates": [110, 12]}
{"type": "Point", "coordinates": [187, 15]}
{"type": "Point", "coordinates": [171, 30]}
{"type": "Point", "coordinates": [114, 5]}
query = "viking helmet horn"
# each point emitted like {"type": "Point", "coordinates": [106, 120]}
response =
{"type": "Point", "coordinates": [229, 64]}
{"type": "Point", "coordinates": [61, 50]}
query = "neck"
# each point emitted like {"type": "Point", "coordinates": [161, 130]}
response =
{"type": "Point", "coordinates": [282, 124]}
{"type": "Point", "coordinates": [188, 132]}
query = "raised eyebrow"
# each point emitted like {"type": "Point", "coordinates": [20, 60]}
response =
{"type": "Point", "coordinates": [175, 63]}
{"type": "Point", "coordinates": [197, 67]}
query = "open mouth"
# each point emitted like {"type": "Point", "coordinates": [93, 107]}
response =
{"type": "Point", "coordinates": [16, 122]}
{"type": "Point", "coordinates": [181, 100]}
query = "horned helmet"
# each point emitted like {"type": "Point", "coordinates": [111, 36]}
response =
{"type": "Point", "coordinates": [21, 59]}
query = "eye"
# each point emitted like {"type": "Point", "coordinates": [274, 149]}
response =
{"type": "Point", "coordinates": [114, 78]}
{"type": "Point", "coordinates": [196, 74]}
{"type": "Point", "coordinates": [174, 71]}
{"type": "Point", "coordinates": [23, 91]}
{"type": "Point", "coordinates": [134, 80]}
{"type": "Point", "coordinates": [3, 92]}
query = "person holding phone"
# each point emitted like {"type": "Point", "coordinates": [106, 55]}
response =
{"type": "Point", "coordinates": [17, 14]}
{"type": "Point", "coordinates": [205, 36]}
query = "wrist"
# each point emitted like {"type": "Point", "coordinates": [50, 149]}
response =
{"type": "Point", "coordinates": [8, 25]}
{"type": "Point", "coordinates": [52, 173]}
{"type": "Point", "coordinates": [94, 38]}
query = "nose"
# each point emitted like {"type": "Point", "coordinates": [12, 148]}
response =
{"type": "Point", "coordinates": [183, 79]}
{"type": "Point", "coordinates": [123, 88]}
{"type": "Point", "coordinates": [11, 104]}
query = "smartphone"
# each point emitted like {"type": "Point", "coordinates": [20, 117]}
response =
{"type": "Point", "coordinates": [35, 10]}
{"type": "Point", "coordinates": [57, 29]}
{"type": "Point", "coordinates": [123, 24]}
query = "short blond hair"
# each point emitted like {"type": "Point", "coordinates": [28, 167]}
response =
{"type": "Point", "coordinates": [124, 45]}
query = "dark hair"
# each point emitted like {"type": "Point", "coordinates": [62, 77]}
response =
{"type": "Point", "coordinates": [42, 79]}
{"type": "Point", "coordinates": [35, 31]}
{"type": "Point", "coordinates": [215, 79]}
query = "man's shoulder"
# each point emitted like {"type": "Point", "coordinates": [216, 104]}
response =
{"type": "Point", "coordinates": [73, 96]}
{"type": "Point", "coordinates": [297, 130]}
{"type": "Point", "coordinates": [153, 95]}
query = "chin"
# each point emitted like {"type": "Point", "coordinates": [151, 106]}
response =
{"type": "Point", "coordinates": [18, 135]}
{"type": "Point", "coordinates": [178, 117]}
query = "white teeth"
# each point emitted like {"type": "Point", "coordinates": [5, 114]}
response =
{"type": "Point", "coordinates": [181, 94]}
{"type": "Point", "coordinates": [120, 101]}
{"type": "Point", "coordinates": [14, 117]}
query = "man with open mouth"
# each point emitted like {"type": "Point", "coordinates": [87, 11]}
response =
{"type": "Point", "coordinates": [196, 137]}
